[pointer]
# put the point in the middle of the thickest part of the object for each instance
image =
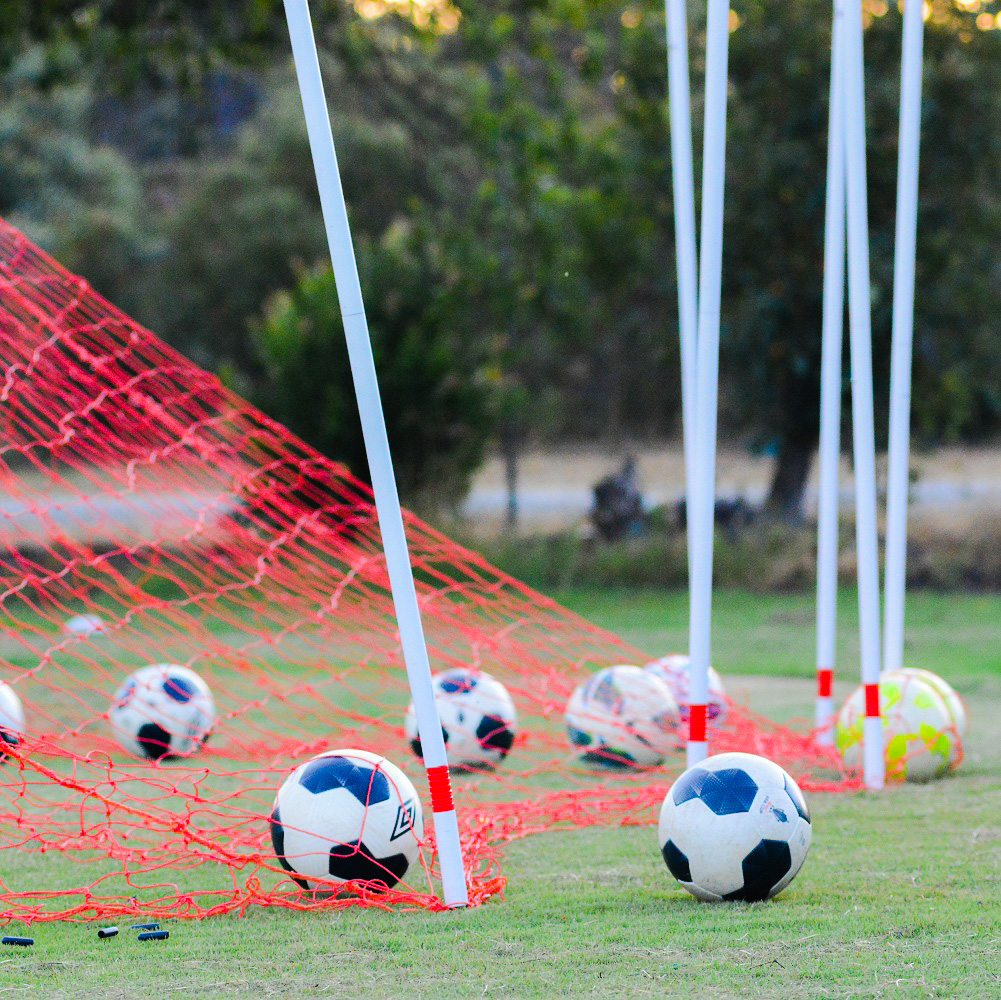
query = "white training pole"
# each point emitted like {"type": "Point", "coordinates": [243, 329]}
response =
{"type": "Point", "coordinates": [387, 499]}
{"type": "Point", "coordinates": [860, 326]}
{"type": "Point", "coordinates": [903, 335]}
{"type": "Point", "coordinates": [830, 390]}
{"type": "Point", "coordinates": [682, 173]}
{"type": "Point", "coordinates": [707, 374]}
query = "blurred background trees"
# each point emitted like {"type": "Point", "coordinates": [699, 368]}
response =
{"type": "Point", "coordinates": [508, 174]}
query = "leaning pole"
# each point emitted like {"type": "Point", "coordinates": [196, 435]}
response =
{"type": "Point", "coordinates": [387, 500]}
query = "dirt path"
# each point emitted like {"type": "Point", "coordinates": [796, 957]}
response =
{"type": "Point", "coordinates": [954, 487]}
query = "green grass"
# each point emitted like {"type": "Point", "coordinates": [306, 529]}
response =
{"type": "Point", "coordinates": [956, 635]}
{"type": "Point", "coordinates": [898, 898]}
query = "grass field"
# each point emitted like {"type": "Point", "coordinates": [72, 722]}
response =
{"type": "Point", "coordinates": [898, 898]}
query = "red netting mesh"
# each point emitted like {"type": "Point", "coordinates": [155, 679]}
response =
{"type": "Point", "coordinates": [134, 486]}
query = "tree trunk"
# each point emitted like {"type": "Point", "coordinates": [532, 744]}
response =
{"type": "Point", "coordinates": [509, 440]}
{"type": "Point", "coordinates": [792, 466]}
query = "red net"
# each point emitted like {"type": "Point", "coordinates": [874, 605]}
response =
{"type": "Point", "coordinates": [136, 488]}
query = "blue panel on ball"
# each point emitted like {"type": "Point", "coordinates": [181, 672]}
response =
{"type": "Point", "coordinates": [798, 801]}
{"type": "Point", "coordinates": [457, 681]}
{"type": "Point", "coordinates": [764, 868]}
{"type": "Point", "coordinates": [179, 688]}
{"type": "Point", "coordinates": [724, 792]}
{"type": "Point", "coordinates": [676, 862]}
{"type": "Point", "coordinates": [578, 737]}
{"type": "Point", "coordinates": [363, 781]}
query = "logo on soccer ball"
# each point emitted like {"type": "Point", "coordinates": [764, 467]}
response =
{"type": "Point", "coordinates": [768, 805]}
{"type": "Point", "coordinates": [404, 819]}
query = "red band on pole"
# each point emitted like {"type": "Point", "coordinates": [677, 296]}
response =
{"type": "Point", "coordinates": [825, 683]}
{"type": "Point", "coordinates": [697, 723]}
{"type": "Point", "coordinates": [441, 789]}
{"type": "Point", "coordinates": [872, 701]}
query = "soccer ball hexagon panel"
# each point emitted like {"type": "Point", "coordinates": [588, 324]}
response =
{"type": "Point", "coordinates": [347, 816]}
{"type": "Point", "coordinates": [162, 711]}
{"type": "Point", "coordinates": [735, 827]}
{"type": "Point", "coordinates": [623, 716]}
{"type": "Point", "coordinates": [478, 719]}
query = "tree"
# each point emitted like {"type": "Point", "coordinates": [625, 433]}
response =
{"type": "Point", "coordinates": [774, 225]}
{"type": "Point", "coordinates": [435, 396]}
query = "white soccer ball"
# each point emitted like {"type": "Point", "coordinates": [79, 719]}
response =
{"type": "Point", "coordinates": [953, 702]}
{"type": "Point", "coordinates": [918, 732]}
{"type": "Point", "coordinates": [673, 670]}
{"type": "Point", "coordinates": [347, 816]}
{"type": "Point", "coordinates": [84, 625]}
{"type": "Point", "coordinates": [162, 711]}
{"type": "Point", "coordinates": [478, 718]}
{"type": "Point", "coordinates": [11, 718]}
{"type": "Point", "coordinates": [734, 827]}
{"type": "Point", "coordinates": [623, 716]}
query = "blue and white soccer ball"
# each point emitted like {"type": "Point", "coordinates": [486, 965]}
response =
{"type": "Point", "coordinates": [11, 718]}
{"type": "Point", "coordinates": [735, 827]}
{"type": "Point", "coordinates": [347, 816]}
{"type": "Point", "coordinates": [162, 711]}
{"type": "Point", "coordinates": [623, 716]}
{"type": "Point", "coordinates": [478, 719]}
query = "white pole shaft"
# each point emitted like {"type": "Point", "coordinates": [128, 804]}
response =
{"type": "Point", "coordinates": [830, 389]}
{"type": "Point", "coordinates": [683, 176]}
{"type": "Point", "coordinates": [373, 423]}
{"type": "Point", "coordinates": [707, 373]}
{"type": "Point", "coordinates": [903, 335]}
{"type": "Point", "coordinates": [860, 324]}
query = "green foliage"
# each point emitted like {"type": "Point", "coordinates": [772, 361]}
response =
{"type": "Point", "coordinates": [80, 200]}
{"type": "Point", "coordinates": [434, 395]}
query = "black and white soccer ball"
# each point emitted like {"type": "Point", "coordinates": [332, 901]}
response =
{"type": "Point", "coordinates": [347, 816]}
{"type": "Point", "coordinates": [478, 719]}
{"type": "Point", "coordinates": [162, 711]}
{"type": "Point", "coordinates": [623, 716]}
{"type": "Point", "coordinates": [11, 718]}
{"type": "Point", "coordinates": [734, 827]}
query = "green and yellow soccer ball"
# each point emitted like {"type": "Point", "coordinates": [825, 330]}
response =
{"type": "Point", "coordinates": [918, 732]}
{"type": "Point", "coordinates": [958, 712]}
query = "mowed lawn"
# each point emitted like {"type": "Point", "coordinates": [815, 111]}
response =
{"type": "Point", "coordinates": [898, 898]}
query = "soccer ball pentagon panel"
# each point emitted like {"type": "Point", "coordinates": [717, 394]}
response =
{"type": "Point", "coordinates": [918, 732]}
{"type": "Point", "coordinates": [478, 719]}
{"type": "Point", "coordinates": [162, 711]}
{"type": "Point", "coordinates": [953, 702]}
{"type": "Point", "coordinates": [673, 670]}
{"type": "Point", "coordinates": [11, 718]}
{"type": "Point", "coordinates": [623, 716]}
{"type": "Point", "coordinates": [347, 816]}
{"type": "Point", "coordinates": [735, 827]}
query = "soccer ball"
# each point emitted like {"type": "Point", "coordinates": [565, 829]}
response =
{"type": "Point", "coordinates": [478, 719]}
{"type": "Point", "coordinates": [162, 711]}
{"type": "Point", "coordinates": [347, 816]}
{"type": "Point", "coordinates": [11, 718]}
{"type": "Point", "coordinates": [735, 827]}
{"type": "Point", "coordinates": [84, 625]}
{"type": "Point", "coordinates": [918, 733]}
{"type": "Point", "coordinates": [953, 702]}
{"type": "Point", "coordinates": [623, 716]}
{"type": "Point", "coordinates": [673, 670]}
